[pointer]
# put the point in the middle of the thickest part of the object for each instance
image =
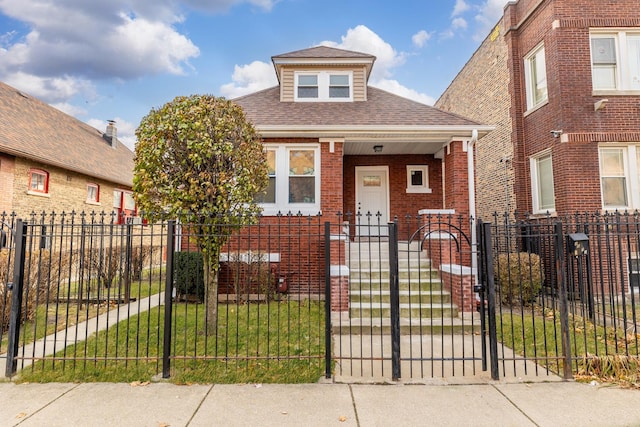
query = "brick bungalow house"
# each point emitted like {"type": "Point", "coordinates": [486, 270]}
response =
{"type": "Point", "coordinates": [50, 161]}
{"type": "Point", "coordinates": [338, 146]}
{"type": "Point", "coordinates": [560, 80]}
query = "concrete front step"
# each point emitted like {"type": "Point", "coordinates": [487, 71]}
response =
{"type": "Point", "coordinates": [385, 273]}
{"type": "Point", "coordinates": [406, 297]}
{"type": "Point", "coordinates": [432, 285]}
{"type": "Point", "coordinates": [383, 309]}
{"type": "Point", "coordinates": [408, 326]}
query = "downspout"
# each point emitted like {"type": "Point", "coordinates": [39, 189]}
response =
{"type": "Point", "coordinates": [472, 202]}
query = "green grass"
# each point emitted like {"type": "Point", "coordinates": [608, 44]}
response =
{"type": "Point", "coordinates": [537, 335]}
{"type": "Point", "coordinates": [278, 342]}
{"type": "Point", "coordinates": [57, 315]}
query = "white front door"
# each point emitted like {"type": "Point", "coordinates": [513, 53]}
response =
{"type": "Point", "coordinates": [372, 200]}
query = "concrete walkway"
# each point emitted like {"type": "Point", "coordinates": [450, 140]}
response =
{"type": "Point", "coordinates": [57, 341]}
{"type": "Point", "coordinates": [163, 405]}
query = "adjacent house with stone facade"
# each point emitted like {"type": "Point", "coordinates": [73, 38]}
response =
{"type": "Point", "coordinates": [50, 161]}
{"type": "Point", "coordinates": [560, 80]}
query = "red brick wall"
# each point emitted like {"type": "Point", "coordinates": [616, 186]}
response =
{"type": "Point", "coordinates": [401, 202]}
{"type": "Point", "coordinates": [571, 99]}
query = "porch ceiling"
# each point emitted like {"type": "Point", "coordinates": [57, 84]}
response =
{"type": "Point", "coordinates": [394, 139]}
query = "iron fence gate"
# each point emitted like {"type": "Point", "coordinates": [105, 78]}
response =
{"type": "Point", "coordinates": [83, 294]}
{"type": "Point", "coordinates": [404, 305]}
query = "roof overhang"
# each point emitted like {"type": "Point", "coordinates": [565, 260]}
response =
{"type": "Point", "coordinates": [360, 140]}
{"type": "Point", "coordinates": [280, 63]}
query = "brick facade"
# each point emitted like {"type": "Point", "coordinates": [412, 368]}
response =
{"type": "Point", "coordinates": [563, 27]}
{"type": "Point", "coordinates": [479, 92]}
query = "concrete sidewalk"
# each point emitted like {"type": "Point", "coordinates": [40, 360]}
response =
{"type": "Point", "coordinates": [163, 404]}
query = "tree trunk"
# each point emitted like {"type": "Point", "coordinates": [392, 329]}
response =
{"type": "Point", "coordinates": [211, 299]}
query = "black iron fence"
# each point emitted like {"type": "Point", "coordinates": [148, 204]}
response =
{"type": "Point", "coordinates": [133, 300]}
{"type": "Point", "coordinates": [292, 297]}
{"type": "Point", "coordinates": [566, 290]}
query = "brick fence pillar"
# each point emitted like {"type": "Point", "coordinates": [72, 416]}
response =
{"type": "Point", "coordinates": [459, 280]}
{"type": "Point", "coordinates": [340, 288]}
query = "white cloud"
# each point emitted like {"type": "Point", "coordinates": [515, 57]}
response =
{"type": "Point", "coordinates": [395, 87]}
{"type": "Point", "coordinates": [249, 78]}
{"type": "Point", "coordinates": [446, 34]}
{"type": "Point", "coordinates": [362, 39]}
{"type": "Point", "coordinates": [51, 89]}
{"type": "Point", "coordinates": [490, 13]}
{"type": "Point", "coordinates": [420, 38]}
{"type": "Point", "coordinates": [221, 5]}
{"type": "Point", "coordinates": [459, 23]}
{"type": "Point", "coordinates": [106, 40]}
{"type": "Point", "coordinates": [460, 7]}
{"type": "Point", "coordinates": [70, 109]}
{"type": "Point", "coordinates": [126, 130]}
{"type": "Point", "coordinates": [259, 75]}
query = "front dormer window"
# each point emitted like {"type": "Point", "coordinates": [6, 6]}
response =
{"type": "Point", "coordinates": [308, 86]}
{"type": "Point", "coordinates": [323, 86]}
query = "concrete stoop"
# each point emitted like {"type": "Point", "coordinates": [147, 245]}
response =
{"type": "Point", "coordinates": [425, 307]}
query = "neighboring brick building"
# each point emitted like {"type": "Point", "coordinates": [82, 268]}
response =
{"type": "Point", "coordinates": [50, 161]}
{"type": "Point", "coordinates": [567, 136]}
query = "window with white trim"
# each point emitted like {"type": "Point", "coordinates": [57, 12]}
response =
{"type": "Point", "coordinates": [294, 180]}
{"type": "Point", "coordinates": [38, 181]}
{"type": "Point", "coordinates": [418, 179]}
{"type": "Point", "coordinates": [619, 177]}
{"type": "Point", "coordinates": [323, 86]}
{"type": "Point", "coordinates": [535, 72]}
{"type": "Point", "coordinates": [615, 60]}
{"type": "Point", "coordinates": [93, 193]}
{"type": "Point", "coordinates": [542, 189]}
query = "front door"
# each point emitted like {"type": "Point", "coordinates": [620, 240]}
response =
{"type": "Point", "coordinates": [372, 200]}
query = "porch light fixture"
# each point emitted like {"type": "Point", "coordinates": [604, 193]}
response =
{"type": "Point", "coordinates": [377, 148]}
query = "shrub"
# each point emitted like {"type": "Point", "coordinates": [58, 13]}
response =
{"type": "Point", "coordinates": [42, 268]}
{"type": "Point", "coordinates": [519, 277]}
{"type": "Point", "coordinates": [189, 274]}
{"type": "Point", "coordinates": [252, 274]}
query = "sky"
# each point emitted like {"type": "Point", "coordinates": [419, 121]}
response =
{"type": "Point", "coordinates": [100, 60]}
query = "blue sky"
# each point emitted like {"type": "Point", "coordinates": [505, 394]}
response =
{"type": "Point", "coordinates": [116, 59]}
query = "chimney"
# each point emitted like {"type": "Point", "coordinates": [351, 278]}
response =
{"type": "Point", "coordinates": [111, 134]}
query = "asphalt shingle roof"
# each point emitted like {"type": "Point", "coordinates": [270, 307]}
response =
{"type": "Point", "coordinates": [31, 129]}
{"type": "Point", "coordinates": [381, 108]}
{"type": "Point", "coordinates": [324, 52]}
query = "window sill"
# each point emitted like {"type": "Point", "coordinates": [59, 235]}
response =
{"type": "Point", "coordinates": [38, 194]}
{"type": "Point", "coordinates": [615, 92]}
{"type": "Point", "coordinates": [89, 202]}
{"type": "Point", "coordinates": [543, 215]}
{"type": "Point", "coordinates": [273, 211]}
{"type": "Point", "coordinates": [419, 190]}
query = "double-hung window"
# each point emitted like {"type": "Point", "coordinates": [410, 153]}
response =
{"type": "Point", "coordinates": [93, 193]}
{"type": "Point", "coordinates": [294, 180]}
{"type": "Point", "coordinates": [38, 181]}
{"type": "Point", "coordinates": [323, 86]}
{"type": "Point", "coordinates": [542, 183]}
{"type": "Point", "coordinates": [615, 60]}
{"type": "Point", "coordinates": [619, 177]}
{"type": "Point", "coordinates": [535, 72]}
